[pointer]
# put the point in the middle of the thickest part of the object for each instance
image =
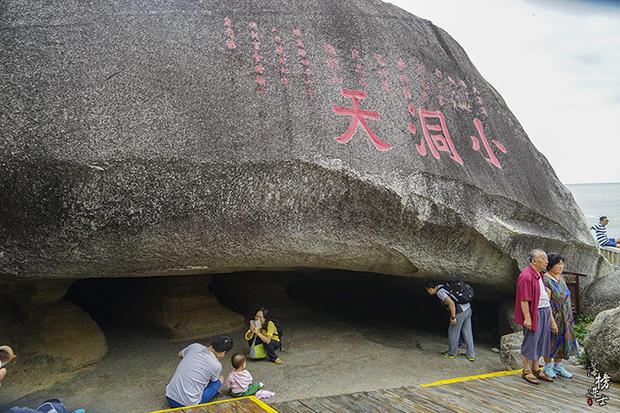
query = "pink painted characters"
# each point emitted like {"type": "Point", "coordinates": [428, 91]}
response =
{"type": "Point", "coordinates": [358, 117]}
{"type": "Point", "coordinates": [438, 92]}
{"type": "Point", "coordinates": [404, 79]}
{"type": "Point", "coordinates": [305, 62]}
{"type": "Point", "coordinates": [382, 72]}
{"type": "Point", "coordinates": [480, 102]}
{"type": "Point", "coordinates": [259, 69]}
{"type": "Point", "coordinates": [332, 62]}
{"type": "Point", "coordinates": [359, 68]}
{"type": "Point", "coordinates": [491, 158]}
{"type": "Point", "coordinates": [229, 34]}
{"type": "Point", "coordinates": [435, 135]}
{"type": "Point", "coordinates": [281, 56]}
{"type": "Point", "coordinates": [424, 89]}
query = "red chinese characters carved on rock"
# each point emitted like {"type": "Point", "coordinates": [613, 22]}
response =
{"type": "Point", "coordinates": [491, 158]}
{"type": "Point", "coordinates": [434, 135]}
{"type": "Point", "coordinates": [359, 68]}
{"type": "Point", "coordinates": [358, 117]}
{"type": "Point", "coordinates": [305, 62]}
{"type": "Point", "coordinates": [404, 79]}
{"type": "Point", "coordinates": [258, 67]}
{"type": "Point", "coordinates": [332, 62]}
{"type": "Point", "coordinates": [281, 55]}
{"type": "Point", "coordinates": [229, 33]}
{"type": "Point", "coordinates": [424, 89]}
{"type": "Point", "coordinates": [382, 71]}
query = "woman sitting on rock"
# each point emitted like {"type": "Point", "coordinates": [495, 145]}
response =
{"type": "Point", "coordinates": [263, 333]}
{"type": "Point", "coordinates": [564, 343]}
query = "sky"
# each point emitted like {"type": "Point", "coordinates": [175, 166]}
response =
{"type": "Point", "coordinates": [556, 63]}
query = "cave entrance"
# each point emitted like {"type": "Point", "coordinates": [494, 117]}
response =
{"type": "Point", "coordinates": [371, 302]}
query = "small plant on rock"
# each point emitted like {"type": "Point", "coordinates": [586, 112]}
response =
{"type": "Point", "coordinates": [581, 326]}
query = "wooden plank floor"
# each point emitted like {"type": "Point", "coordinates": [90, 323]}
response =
{"type": "Point", "coordinates": [505, 394]}
{"type": "Point", "coordinates": [241, 405]}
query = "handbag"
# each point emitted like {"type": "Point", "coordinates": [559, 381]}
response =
{"type": "Point", "coordinates": [257, 351]}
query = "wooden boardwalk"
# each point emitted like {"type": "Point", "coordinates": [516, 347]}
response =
{"type": "Point", "coordinates": [241, 405]}
{"type": "Point", "coordinates": [503, 392]}
{"type": "Point", "coordinates": [506, 394]}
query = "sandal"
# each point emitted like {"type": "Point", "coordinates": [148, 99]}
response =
{"type": "Point", "coordinates": [540, 375]}
{"type": "Point", "coordinates": [529, 377]}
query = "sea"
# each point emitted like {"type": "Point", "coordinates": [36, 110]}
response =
{"type": "Point", "coordinates": [596, 200]}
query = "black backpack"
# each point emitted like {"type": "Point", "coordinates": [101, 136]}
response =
{"type": "Point", "coordinates": [459, 291]}
{"type": "Point", "coordinates": [278, 326]}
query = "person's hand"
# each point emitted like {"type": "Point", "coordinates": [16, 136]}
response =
{"type": "Point", "coordinates": [527, 323]}
{"type": "Point", "coordinates": [453, 321]}
{"type": "Point", "coordinates": [554, 327]}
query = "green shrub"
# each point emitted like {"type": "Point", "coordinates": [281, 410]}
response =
{"type": "Point", "coordinates": [581, 327]}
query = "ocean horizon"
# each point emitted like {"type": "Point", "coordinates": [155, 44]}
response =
{"type": "Point", "coordinates": [598, 199]}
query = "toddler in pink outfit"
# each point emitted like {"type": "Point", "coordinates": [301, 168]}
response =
{"type": "Point", "coordinates": [240, 382]}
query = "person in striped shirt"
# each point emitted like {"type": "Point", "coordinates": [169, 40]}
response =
{"type": "Point", "coordinates": [601, 234]}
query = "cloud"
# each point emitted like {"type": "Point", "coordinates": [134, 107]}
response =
{"type": "Point", "coordinates": [589, 59]}
{"type": "Point", "coordinates": [578, 7]}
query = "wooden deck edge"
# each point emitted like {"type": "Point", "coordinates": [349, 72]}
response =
{"type": "Point", "coordinates": [254, 399]}
{"type": "Point", "coordinates": [474, 377]}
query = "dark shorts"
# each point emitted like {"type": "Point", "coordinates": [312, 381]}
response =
{"type": "Point", "coordinates": [537, 343]}
{"type": "Point", "coordinates": [611, 242]}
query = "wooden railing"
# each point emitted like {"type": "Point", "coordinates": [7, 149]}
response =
{"type": "Point", "coordinates": [572, 282]}
{"type": "Point", "coordinates": [612, 254]}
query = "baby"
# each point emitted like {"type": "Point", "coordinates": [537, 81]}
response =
{"type": "Point", "coordinates": [240, 382]}
{"type": "Point", "coordinates": [6, 356]}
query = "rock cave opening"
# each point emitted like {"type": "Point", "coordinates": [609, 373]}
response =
{"type": "Point", "coordinates": [201, 306]}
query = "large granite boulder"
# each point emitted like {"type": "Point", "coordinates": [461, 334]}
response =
{"type": "Point", "coordinates": [603, 293]}
{"type": "Point", "coordinates": [603, 342]}
{"type": "Point", "coordinates": [179, 138]}
{"type": "Point", "coordinates": [52, 338]}
{"type": "Point", "coordinates": [510, 350]}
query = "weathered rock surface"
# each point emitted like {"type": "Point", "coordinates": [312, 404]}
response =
{"type": "Point", "coordinates": [180, 137]}
{"type": "Point", "coordinates": [510, 350]}
{"type": "Point", "coordinates": [603, 293]}
{"type": "Point", "coordinates": [181, 308]}
{"type": "Point", "coordinates": [46, 330]}
{"type": "Point", "coordinates": [603, 342]}
{"type": "Point", "coordinates": [506, 318]}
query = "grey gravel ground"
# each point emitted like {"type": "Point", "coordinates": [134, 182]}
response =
{"type": "Point", "coordinates": [324, 355]}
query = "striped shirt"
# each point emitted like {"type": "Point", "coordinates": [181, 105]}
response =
{"type": "Point", "coordinates": [600, 234]}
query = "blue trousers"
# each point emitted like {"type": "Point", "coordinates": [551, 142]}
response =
{"type": "Point", "coordinates": [208, 393]}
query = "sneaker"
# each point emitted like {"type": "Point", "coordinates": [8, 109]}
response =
{"type": "Point", "coordinates": [472, 359]}
{"type": "Point", "coordinates": [278, 361]}
{"type": "Point", "coordinates": [549, 371]}
{"type": "Point", "coordinates": [447, 355]}
{"type": "Point", "coordinates": [562, 371]}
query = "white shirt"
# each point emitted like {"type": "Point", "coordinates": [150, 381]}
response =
{"type": "Point", "coordinates": [543, 302]}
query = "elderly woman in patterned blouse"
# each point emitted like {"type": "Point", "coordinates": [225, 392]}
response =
{"type": "Point", "coordinates": [564, 343]}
